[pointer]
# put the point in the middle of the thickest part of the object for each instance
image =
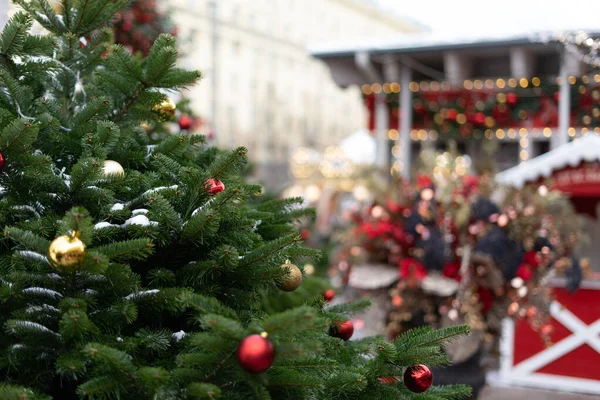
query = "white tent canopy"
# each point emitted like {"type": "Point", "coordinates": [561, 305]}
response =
{"type": "Point", "coordinates": [586, 148]}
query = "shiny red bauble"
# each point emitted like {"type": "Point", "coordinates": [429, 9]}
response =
{"type": "Point", "coordinates": [329, 294]}
{"type": "Point", "coordinates": [214, 186]}
{"type": "Point", "coordinates": [342, 330]}
{"type": "Point", "coordinates": [418, 378]}
{"type": "Point", "coordinates": [525, 272]}
{"type": "Point", "coordinates": [185, 122]}
{"type": "Point", "coordinates": [256, 354]}
{"type": "Point", "coordinates": [511, 99]}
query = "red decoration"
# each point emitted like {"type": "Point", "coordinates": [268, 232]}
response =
{"type": "Point", "coordinates": [412, 268]}
{"type": "Point", "coordinates": [342, 330]}
{"type": "Point", "coordinates": [2, 161]}
{"type": "Point", "coordinates": [557, 96]}
{"type": "Point", "coordinates": [186, 122]}
{"type": "Point", "coordinates": [256, 354]}
{"type": "Point", "coordinates": [479, 118]}
{"type": "Point", "coordinates": [531, 259]}
{"type": "Point", "coordinates": [525, 272]}
{"type": "Point", "coordinates": [424, 181]}
{"type": "Point", "coordinates": [418, 378]}
{"type": "Point", "coordinates": [486, 298]}
{"type": "Point", "coordinates": [452, 114]}
{"type": "Point", "coordinates": [305, 233]}
{"type": "Point", "coordinates": [214, 186]}
{"type": "Point", "coordinates": [329, 294]}
{"type": "Point", "coordinates": [511, 99]}
{"type": "Point", "coordinates": [452, 270]}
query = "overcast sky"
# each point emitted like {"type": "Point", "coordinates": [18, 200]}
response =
{"type": "Point", "coordinates": [500, 16]}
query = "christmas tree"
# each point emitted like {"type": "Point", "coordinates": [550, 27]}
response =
{"type": "Point", "coordinates": [138, 271]}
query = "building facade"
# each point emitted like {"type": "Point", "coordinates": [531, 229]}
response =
{"type": "Point", "coordinates": [261, 88]}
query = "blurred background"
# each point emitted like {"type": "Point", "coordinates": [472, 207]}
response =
{"type": "Point", "coordinates": [420, 131]}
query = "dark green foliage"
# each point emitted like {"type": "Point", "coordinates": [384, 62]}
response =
{"type": "Point", "coordinates": [173, 277]}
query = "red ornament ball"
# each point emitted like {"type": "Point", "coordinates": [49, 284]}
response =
{"type": "Point", "coordinates": [214, 186]}
{"type": "Point", "coordinates": [452, 114]}
{"type": "Point", "coordinates": [511, 99]}
{"type": "Point", "coordinates": [479, 118]}
{"type": "Point", "coordinates": [418, 378]}
{"type": "Point", "coordinates": [2, 161]}
{"type": "Point", "coordinates": [342, 330]}
{"type": "Point", "coordinates": [329, 294]}
{"type": "Point", "coordinates": [185, 122]}
{"type": "Point", "coordinates": [256, 354]}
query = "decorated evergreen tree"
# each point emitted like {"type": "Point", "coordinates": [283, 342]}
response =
{"type": "Point", "coordinates": [138, 271]}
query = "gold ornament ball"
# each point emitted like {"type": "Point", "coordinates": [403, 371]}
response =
{"type": "Point", "coordinates": [165, 110]}
{"type": "Point", "coordinates": [292, 280]}
{"type": "Point", "coordinates": [66, 252]}
{"type": "Point", "coordinates": [111, 167]}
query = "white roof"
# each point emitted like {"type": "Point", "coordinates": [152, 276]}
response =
{"type": "Point", "coordinates": [586, 148]}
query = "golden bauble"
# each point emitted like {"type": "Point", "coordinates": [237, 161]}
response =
{"type": "Point", "coordinates": [165, 110]}
{"type": "Point", "coordinates": [292, 280]}
{"type": "Point", "coordinates": [111, 167]}
{"type": "Point", "coordinates": [67, 252]}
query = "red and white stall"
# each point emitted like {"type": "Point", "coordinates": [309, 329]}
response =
{"type": "Point", "coordinates": [572, 362]}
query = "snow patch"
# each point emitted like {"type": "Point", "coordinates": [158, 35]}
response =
{"type": "Point", "coordinates": [104, 224]}
{"type": "Point", "coordinates": [140, 295]}
{"type": "Point", "coordinates": [44, 292]}
{"type": "Point", "coordinates": [117, 207]}
{"type": "Point", "coordinates": [141, 220]}
{"type": "Point", "coordinates": [42, 308]}
{"type": "Point", "coordinates": [178, 335]}
{"type": "Point", "coordinates": [159, 188]}
{"type": "Point", "coordinates": [139, 211]}
{"type": "Point", "coordinates": [32, 255]}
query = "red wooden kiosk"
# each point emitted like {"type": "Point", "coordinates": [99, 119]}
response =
{"type": "Point", "coordinates": [572, 362]}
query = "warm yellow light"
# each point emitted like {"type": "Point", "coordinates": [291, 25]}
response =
{"type": "Point", "coordinates": [500, 133]}
{"type": "Point", "coordinates": [597, 77]}
{"type": "Point", "coordinates": [422, 134]}
{"type": "Point", "coordinates": [523, 132]}
{"type": "Point", "coordinates": [424, 86]}
{"type": "Point", "coordinates": [536, 81]}
{"type": "Point", "coordinates": [489, 84]}
{"type": "Point", "coordinates": [584, 131]}
{"type": "Point", "coordinates": [433, 135]}
{"type": "Point", "coordinates": [524, 155]}
{"type": "Point", "coordinates": [501, 97]}
{"type": "Point", "coordinates": [512, 133]}
{"type": "Point", "coordinates": [445, 86]}
{"type": "Point", "coordinates": [397, 165]}
{"type": "Point", "coordinates": [547, 132]}
{"type": "Point", "coordinates": [461, 118]}
{"type": "Point", "coordinates": [387, 88]}
{"type": "Point", "coordinates": [582, 89]}
{"type": "Point", "coordinates": [558, 80]}
{"type": "Point", "coordinates": [393, 134]}
{"type": "Point", "coordinates": [512, 82]}
{"type": "Point", "coordinates": [376, 88]}
{"type": "Point", "coordinates": [524, 142]}
{"type": "Point", "coordinates": [585, 79]}
{"type": "Point", "coordinates": [522, 114]}
{"type": "Point", "coordinates": [480, 105]}
{"type": "Point", "coordinates": [413, 86]}
{"type": "Point", "coordinates": [500, 83]}
{"type": "Point", "coordinates": [478, 84]}
{"type": "Point", "coordinates": [489, 122]}
{"type": "Point", "coordinates": [523, 82]}
{"type": "Point", "coordinates": [489, 134]}
{"type": "Point", "coordinates": [468, 85]}
{"type": "Point", "coordinates": [597, 129]}
{"type": "Point", "coordinates": [395, 87]}
{"type": "Point", "coordinates": [366, 89]}
{"type": "Point", "coordinates": [572, 132]}
{"type": "Point", "coordinates": [396, 151]}
{"type": "Point", "coordinates": [572, 80]}
{"type": "Point", "coordinates": [414, 135]}
{"type": "Point", "coordinates": [434, 86]}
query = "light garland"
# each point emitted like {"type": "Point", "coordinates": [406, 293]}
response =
{"type": "Point", "coordinates": [581, 45]}
{"type": "Point", "coordinates": [500, 133]}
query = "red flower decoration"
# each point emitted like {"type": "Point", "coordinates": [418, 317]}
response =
{"type": "Point", "coordinates": [452, 270]}
{"type": "Point", "coordinates": [412, 268]}
{"type": "Point", "coordinates": [486, 298]}
{"type": "Point", "coordinates": [525, 272]}
{"type": "Point", "coordinates": [531, 259]}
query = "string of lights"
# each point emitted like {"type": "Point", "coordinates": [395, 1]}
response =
{"type": "Point", "coordinates": [582, 46]}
